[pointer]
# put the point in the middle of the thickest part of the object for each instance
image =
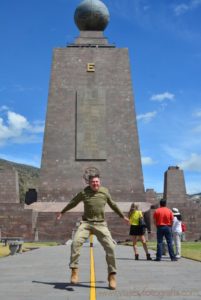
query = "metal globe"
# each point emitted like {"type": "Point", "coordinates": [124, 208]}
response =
{"type": "Point", "coordinates": [91, 15]}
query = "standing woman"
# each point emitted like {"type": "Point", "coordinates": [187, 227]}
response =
{"type": "Point", "coordinates": [177, 231]}
{"type": "Point", "coordinates": [137, 231]}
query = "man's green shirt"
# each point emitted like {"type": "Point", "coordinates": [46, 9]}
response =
{"type": "Point", "coordinates": [94, 204]}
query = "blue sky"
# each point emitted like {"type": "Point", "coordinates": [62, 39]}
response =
{"type": "Point", "coordinates": [164, 41]}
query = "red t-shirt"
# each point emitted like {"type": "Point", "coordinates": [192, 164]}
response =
{"type": "Point", "coordinates": [163, 216]}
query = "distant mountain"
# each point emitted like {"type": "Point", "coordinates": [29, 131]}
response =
{"type": "Point", "coordinates": [195, 197]}
{"type": "Point", "coordinates": [28, 176]}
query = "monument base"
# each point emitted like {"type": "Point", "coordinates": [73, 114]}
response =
{"type": "Point", "coordinates": [47, 228]}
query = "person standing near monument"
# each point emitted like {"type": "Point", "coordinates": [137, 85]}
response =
{"type": "Point", "coordinates": [177, 231]}
{"type": "Point", "coordinates": [163, 219]}
{"type": "Point", "coordinates": [94, 197]}
{"type": "Point", "coordinates": [184, 228]}
{"type": "Point", "coordinates": [137, 231]}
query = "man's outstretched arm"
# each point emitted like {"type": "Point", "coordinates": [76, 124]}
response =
{"type": "Point", "coordinates": [74, 202]}
{"type": "Point", "coordinates": [116, 209]}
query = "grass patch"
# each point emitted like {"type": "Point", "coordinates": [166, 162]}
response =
{"type": "Point", "coordinates": [4, 250]}
{"type": "Point", "coordinates": [40, 244]}
{"type": "Point", "coordinates": [191, 250]}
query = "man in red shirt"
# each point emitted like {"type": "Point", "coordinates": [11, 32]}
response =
{"type": "Point", "coordinates": [163, 219]}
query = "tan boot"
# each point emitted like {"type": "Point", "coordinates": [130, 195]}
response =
{"type": "Point", "coordinates": [74, 276]}
{"type": "Point", "coordinates": [112, 281]}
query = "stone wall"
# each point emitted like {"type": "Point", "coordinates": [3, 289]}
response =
{"type": "Point", "coordinates": [48, 228]}
{"type": "Point", "coordinates": [42, 226]}
{"type": "Point", "coordinates": [15, 221]}
{"type": "Point", "coordinates": [9, 186]}
{"type": "Point", "coordinates": [151, 196]}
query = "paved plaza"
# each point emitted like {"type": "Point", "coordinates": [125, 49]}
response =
{"type": "Point", "coordinates": [43, 274]}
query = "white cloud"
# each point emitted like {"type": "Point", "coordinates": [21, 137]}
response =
{"type": "Point", "coordinates": [17, 122]}
{"type": "Point", "coordinates": [147, 117]}
{"type": "Point", "coordinates": [3, 108]}
{"type": "Point", "coordinates": [131, 11]}
{"type": "Point", "coordinates": [193, 163]}
{"type": "Point", "coordinates": [20, 88]}
{"type": "Point", "coordinates": [197, 129]}
{"type": "Point", "coordinates": [146, 7]}
{"type": "Point", "coordinates": [15, 128]}
{"type": "Point", "coordinates": [183, 8]}
{"type": "Point", "coordinates": [162, 97]}
{"type": "Point", "coordinates": [196, 3]}
{"type": "Point", "coordinates": [175, 153]}
{"type": "Point", "coordinates": [146, 160]}
{"type": "Point", "coordinates": [36, 127]}
{"type": "Point", "coordinates": [197, 114]}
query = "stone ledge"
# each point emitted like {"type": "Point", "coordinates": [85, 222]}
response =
{"type": "Point", "coordinates": [58, 206]}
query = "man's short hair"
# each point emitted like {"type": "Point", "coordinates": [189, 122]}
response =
{"type": "Point", "coordinates": [93, 176]}
{"type": "Point", "coordinates": [91, 172]}
{"type": "Point", "coordinates": [163, 202]}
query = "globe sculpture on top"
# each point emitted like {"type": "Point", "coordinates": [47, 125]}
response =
{"type": "Point", "coordinates": [91, 15]}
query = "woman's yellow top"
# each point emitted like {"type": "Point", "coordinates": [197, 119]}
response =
{"type": "Point", "coordinates": [134, 217]}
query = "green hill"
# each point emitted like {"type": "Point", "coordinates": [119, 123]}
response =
{"type": "Point", "coordinates": [28, 176]}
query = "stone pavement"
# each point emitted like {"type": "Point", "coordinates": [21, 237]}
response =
{"type": "Point", "coordinates": [43, 274]}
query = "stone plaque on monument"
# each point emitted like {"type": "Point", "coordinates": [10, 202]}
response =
{"type": "Point", "coordinates": [90, 131]}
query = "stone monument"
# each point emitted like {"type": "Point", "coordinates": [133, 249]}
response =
{"type": "Point", "coordinates": [91, 120]}
{"type": "Point", "coordinates": [174, 186]}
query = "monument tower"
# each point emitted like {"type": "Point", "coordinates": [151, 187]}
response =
{"type": "Point", "coordinates": [174, 186]}
{"type": "Point", "coordinates": [91, 120]}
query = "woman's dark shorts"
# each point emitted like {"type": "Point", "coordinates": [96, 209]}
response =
{"type": "Point", "coordinates": [137, 230]}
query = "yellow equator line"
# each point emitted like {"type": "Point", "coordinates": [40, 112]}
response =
{"type": "Point", "coordinates": [92, 271]}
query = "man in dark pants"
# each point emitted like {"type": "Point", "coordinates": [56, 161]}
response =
{"type": "Point", "coordinates": [163, 219]}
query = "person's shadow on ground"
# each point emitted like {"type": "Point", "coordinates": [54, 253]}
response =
{"type": "Point", "coordinates": [69, 286]}
{"type": "Point", "coordinates": [57, 285]}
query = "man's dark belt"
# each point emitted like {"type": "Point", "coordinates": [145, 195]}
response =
{"type": "Point", "coordinates": [93, 221]}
